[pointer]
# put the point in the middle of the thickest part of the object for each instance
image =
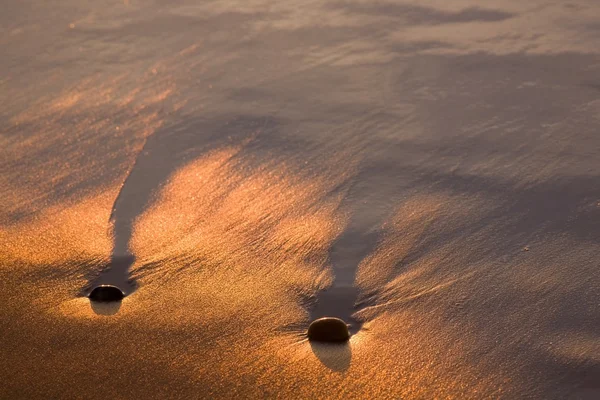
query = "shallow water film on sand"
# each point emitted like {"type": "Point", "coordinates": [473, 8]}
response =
{"type": "Point", "coordinates": [427, 171]}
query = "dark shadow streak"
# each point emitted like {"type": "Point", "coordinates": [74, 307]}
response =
{"type": "Point", "coordinates": [420, 15]}
{"type": "Point", "coordinates": [162, 155]}
{"type": "Point", "coordinates": [340, 300]}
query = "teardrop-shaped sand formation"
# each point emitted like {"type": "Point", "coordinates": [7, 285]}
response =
{"type": "Point", "coordinates": [328, 329]}
{"type": "Point", "coordinates": [106, 293]}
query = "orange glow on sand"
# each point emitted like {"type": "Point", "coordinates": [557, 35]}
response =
{"type": "Point", "coordinates": [211, 209]}
{"type": "Point", "coordinates": [61, 233]}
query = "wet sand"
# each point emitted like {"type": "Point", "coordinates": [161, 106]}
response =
{"type": "Point", "coordinates": [426, 171]}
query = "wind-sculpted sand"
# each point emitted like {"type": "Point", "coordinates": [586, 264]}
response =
{"type": "Point", "coordinates": [426, 171]}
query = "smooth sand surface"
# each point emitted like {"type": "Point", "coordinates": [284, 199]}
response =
{"type": "Point", "coordinates": [429, 171]}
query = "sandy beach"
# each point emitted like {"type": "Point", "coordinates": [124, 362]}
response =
{"type": "Point", "coordinates": [428, 171]}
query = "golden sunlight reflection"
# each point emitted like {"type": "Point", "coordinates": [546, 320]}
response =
{"type": "Point", "coordinates": [228, 257]}
{"type": "Point", "coordinates": [220, 242]}
{"type": "Point", "coordinates": [72, 240]}
{"type": "Point", "coordinates": [69, 232]}
{"type": "Point", "coordinates": [83, 308]}
{"type": "Point", "coordinates": [212, 211]}
{"type": "Point", "coordinates": [229, 254]}
{"type": "Point", "coordinates": [233, 166]}
{"type": "Point", "coordinates": [407, 354]}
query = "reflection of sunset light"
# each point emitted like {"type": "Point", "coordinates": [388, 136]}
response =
{"type": "Point", "coordinates": [212, 209]}
{"type": "Point", "coordinates": [62, 233]}
{"type": "Point", "coordinates": [233, 237]}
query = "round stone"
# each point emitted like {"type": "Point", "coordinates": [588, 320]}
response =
{"type": "Point", "coordinates": [328, 329]}
{"type": "Point", "coordinates": [106, 293]}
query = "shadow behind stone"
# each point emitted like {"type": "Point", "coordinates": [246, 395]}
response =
{"type": "Point", "coordinates": [338, 301]}
{"type": "Point", "coordinates": [116, 274]}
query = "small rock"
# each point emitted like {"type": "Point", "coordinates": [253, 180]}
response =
{"type": "Point", "coordinates": [328, 329]}
{"type": "Point", "coordinates": [106, 293]}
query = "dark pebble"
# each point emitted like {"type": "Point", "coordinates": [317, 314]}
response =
{"type": "Point", "coordinates": [106, 293]}
{"type": "Point", "coordinates": [328, 329]}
